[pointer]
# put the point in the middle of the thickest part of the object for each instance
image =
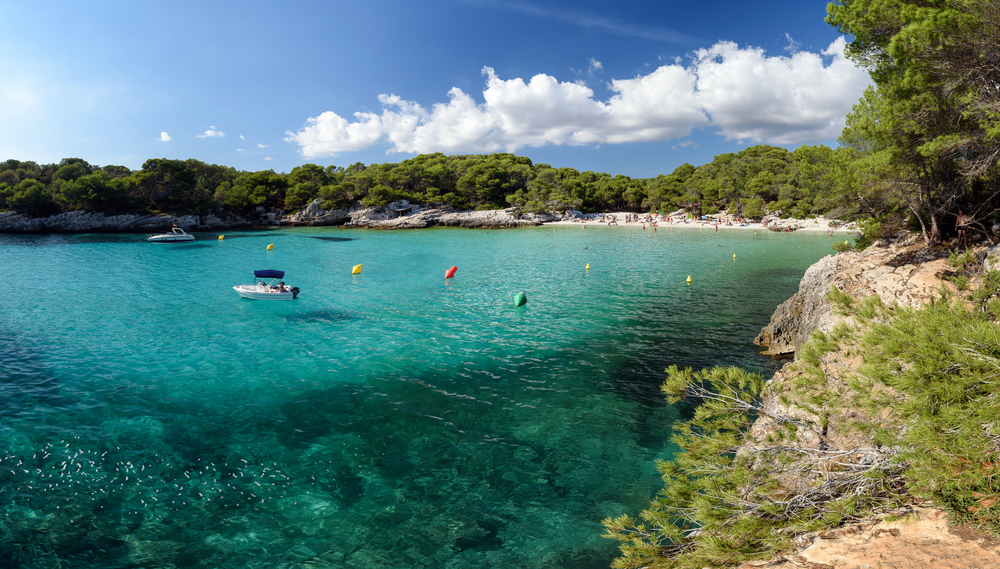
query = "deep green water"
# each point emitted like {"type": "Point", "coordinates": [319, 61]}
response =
{"type": "Point", "coordinates": [149, 417]}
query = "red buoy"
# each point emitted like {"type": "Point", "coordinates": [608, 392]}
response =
{"type": "Point", "coordinates": [450, 272]}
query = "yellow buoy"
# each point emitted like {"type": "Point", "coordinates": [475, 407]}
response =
{"type": "Point", "coordinates": [588, 266]}
{"type": "Point", "coordinates": [356, 270]}
{"type": "Point", "coordinates": [734, 255]}
{"type": "Point", "coordinates": [271, 246]}
{"type": "Point", "coordinates": [220, 237]}
{"type": "Point", "coordinates": [689, 279]}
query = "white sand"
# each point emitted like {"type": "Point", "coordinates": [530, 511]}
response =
{"type": "Point", "coordinates": [819, 224]}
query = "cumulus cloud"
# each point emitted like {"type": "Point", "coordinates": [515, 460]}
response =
{"type": "Point", "coordinates": [781, 100]}
{"type": "Point", "coordinates": [594, 67]}
{"type": "Point", "coordinates": [164, 137]}
{"type": "Point", "coordinates": [211, 133]}
{"type": "Point", "coordinates": [741, 92]}
{"type": "Point", "coordinates": [259, 145]}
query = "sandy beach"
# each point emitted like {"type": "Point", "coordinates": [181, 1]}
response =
{"type": "Point", "coordinates": [647, 221]}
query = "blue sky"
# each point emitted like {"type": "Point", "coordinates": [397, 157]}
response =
{"type": "Point", "coordinates": [634, 88]}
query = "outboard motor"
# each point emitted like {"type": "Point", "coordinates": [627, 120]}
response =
{"type": "Point", "coordinates": [295, 292]}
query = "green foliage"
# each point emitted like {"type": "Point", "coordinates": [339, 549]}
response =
{"type": "Point", "coordinates": [926, 138]}
{"type": "Point", "coordinates": [724, 503]}
{"type": "Point", "coordinates": [961, 282]}
{"type": "Point", "coordinates": [917, 418]}
{"type": "Point", "coordinates": [871, 231]}
{"type": "Point", "coordinates": [940, 363]}
{"type": "Point", "coordinates": [800, 182]}
{"type": "Point", "coordinates": [31, 197]}
{"type": "Point", "coordinates": [963, 261]}
{"type": "Point", "coordinates": [842, 247]}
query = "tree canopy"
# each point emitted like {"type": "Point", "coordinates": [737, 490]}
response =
{"type": "Point", "coordinates": [925, 139]}
{"type": "Point", "coordinates": [758, 179]}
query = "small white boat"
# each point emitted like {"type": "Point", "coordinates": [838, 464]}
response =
{"type": "Point", "coordinates": [176, 235]}
{"type": "Point", "coordinates": [261, 290]}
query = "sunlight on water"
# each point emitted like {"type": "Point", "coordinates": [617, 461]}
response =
{"type": "Point", "coordinates": [150, 417]}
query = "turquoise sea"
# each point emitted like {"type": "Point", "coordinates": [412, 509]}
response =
{"type": "Point", "coordinates": [149, 417]}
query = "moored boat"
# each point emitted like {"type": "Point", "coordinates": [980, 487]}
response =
{"type": "Point", "coordinates": [262, 290]}
{"type": "Point", "coordinates": [176, 235]}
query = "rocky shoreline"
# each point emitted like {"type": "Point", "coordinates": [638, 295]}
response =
{"type": "Point", "coordinates": [901, 270]}
{"type": "Point", "coordinates": [396, 215]}
{"type": "Point", "coordinates": [390, 217]}
{"type": "Point", "coordinates": [898, 270]}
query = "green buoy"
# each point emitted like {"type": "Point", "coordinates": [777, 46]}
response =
{"type": "Point", "coordinates": [520, 299]}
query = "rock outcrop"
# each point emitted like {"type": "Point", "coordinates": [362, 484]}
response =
{"type": "Point", "coordinates": [924, 539]}
{"type": "Point", "coordinates": [396, 215]}
{"type": "Point", "coordinates": [899, 270]}
{"type": "Point", "coordinates": [903, 271]}
{"type": "Point", "coordinates": [402, 215]}
{"type": "Point", "coordinates": [95, 222]}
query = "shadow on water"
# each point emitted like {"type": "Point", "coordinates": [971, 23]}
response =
{"type": "Point", "coordinates": [26, 385]}
{"type": "Point", "coordinates": [98, 238]}
{"type": "Point", "coordinates": [334, 239]}
{"type": "Point", "coordinates": [322, 316]}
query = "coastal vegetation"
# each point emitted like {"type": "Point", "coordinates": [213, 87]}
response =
{"type": "Point", "coordinates": [798, 183]}
{"type": "Point", "coordinates": [900, 405]}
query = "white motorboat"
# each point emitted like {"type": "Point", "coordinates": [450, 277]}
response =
{"type": "Point", "coordinates": [261, 290]}
{"type": "Point", "coordinates": [176, 235]}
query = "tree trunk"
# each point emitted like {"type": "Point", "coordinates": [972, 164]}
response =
{"type": "Point", "coordinates": [923, 228]}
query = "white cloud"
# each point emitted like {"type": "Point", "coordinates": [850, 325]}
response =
{"type": "Point", "coordinates": [742, 92]}
{"type": "Point", "coordinates": [242, 137]}
{"type": "Point", "coordinates": [212, 133]}
{"type": "Point", "coordinates": [259, 145]}
{"type": "Point", "coordinates": [793, 46]}
{"type": "Point", "coordinates": [594, 66]}
{"type": "Point", "coordinates": [781, 100]}
{"type": "Point", "coordinates": [240, 150]}
{"type": "Point", "coordinates": [164, 137]}
{"type": "Point", "coordinates": [268, 158]}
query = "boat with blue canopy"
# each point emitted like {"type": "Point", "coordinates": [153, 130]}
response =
{"type": "Point", "coordinates": [267, 286]}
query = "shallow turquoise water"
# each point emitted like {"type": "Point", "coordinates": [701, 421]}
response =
{"type": "Point", "coordinates": [150, 417]}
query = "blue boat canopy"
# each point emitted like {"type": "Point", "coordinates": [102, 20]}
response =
{"type": "Point", "coordinates": [269, 274]}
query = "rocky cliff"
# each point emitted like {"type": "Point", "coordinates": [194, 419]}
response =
{"type": "Point", "coordinates": [900, 270]}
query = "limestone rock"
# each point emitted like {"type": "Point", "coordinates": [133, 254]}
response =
{"type": "Point", "coordinates": [314, 215]}
{"type": "Point", "coordinates": [96, 222]}
{"type": "Point", "coordinates": [924, 539]}
{"type": "Point", "coordinates": [899, 270]}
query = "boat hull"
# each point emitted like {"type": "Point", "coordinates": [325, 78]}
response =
{"type": "Point", "coordinates": [171, 239]}
{"type": "Point", "coordinates": [257, 293]}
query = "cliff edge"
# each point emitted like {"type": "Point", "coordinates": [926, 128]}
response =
{"type": "Point", "coordinates": [899, 270]}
